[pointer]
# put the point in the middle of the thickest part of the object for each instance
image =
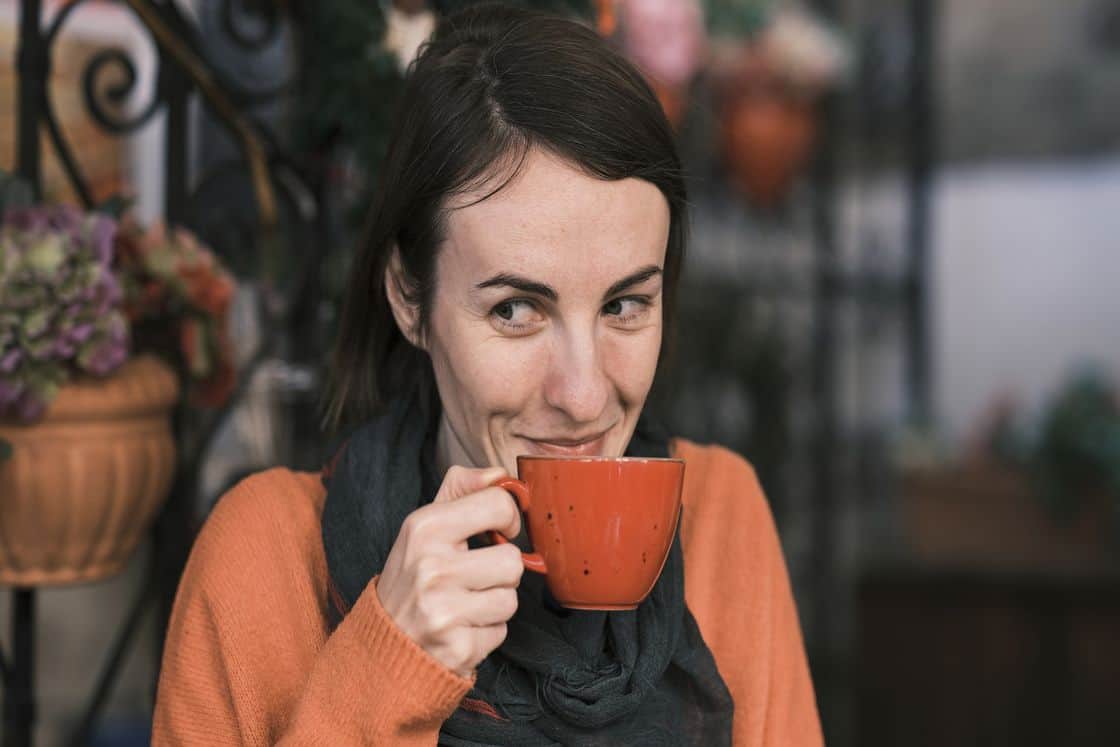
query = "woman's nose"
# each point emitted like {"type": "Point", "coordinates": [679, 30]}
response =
{"type": "Point", "coordinates": [576, 383]}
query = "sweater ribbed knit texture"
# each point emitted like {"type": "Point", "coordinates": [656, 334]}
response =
{"type": "Point", "coordinates": [248, 658]}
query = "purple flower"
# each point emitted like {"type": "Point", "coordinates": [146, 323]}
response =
{"type": "Point", "coordinates": [28, 219]}
{"type": "Point", "coordinates": [9, 361]}
{"type": "Point", "coordinates": [63, 348]}
{"type": "Point", "coordinates": [102, 231]}
{"type": "Point", "coordinates": [61, 303]}
{"type": "Point", "coordinates": [9, 393]}
{"type": "Point", "coordinates": [105, 358]}
{"type": "Point", "coordinates": [66, 219]}
{"type": "Point", "coordinates": [104, 353]}
{"type": "Point", "coordinates": [80, 332]}
{"type": "Point", "coordinates": [110, 290]}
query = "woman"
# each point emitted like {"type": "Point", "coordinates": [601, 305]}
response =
{"type": "Point", "coordinates": [512, 296]}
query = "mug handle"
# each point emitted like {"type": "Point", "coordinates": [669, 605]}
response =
{"type": "Point", "coordinates": [520, 491]}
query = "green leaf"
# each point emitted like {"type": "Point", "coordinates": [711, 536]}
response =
{"type": "Point", "coordinates": [116, 205]}
{"type": "Point", "coordinates": [35, 324]}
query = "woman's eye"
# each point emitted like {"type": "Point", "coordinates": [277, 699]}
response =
{"type": "Point", "coordinates": [516, 314]}
{"type": "Point", "coordinates": [627, 309]}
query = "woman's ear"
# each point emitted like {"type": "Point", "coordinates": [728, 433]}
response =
{"type": "Point", "coordinates": [405, 312]}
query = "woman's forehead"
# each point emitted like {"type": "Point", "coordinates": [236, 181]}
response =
{"type": "Point", "coordinates": [551, 216]}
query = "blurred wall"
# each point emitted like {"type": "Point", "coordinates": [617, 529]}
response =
{"type": "Point", "coordinates": [1024, 235]}
{"type": "Point", "coordinates": [1024, 276]}
{"type": "Point", "coordinates": [1026, 280]}
{"type": "Point", "coordinates": [1026, 226]}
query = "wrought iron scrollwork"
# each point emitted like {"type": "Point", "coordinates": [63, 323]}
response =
{"type": "Point", "coordinates": [117, 93]}
{"type": "Point", "coordinates": [252, 28]}
{"type": "Point", "coordinates": [221, 209]}
{"type": "Point", "coordinates": [65, 155]}
{"type": "Point", "coordinates": [251, 41]}
{"type": "Point", "coordinates": [59, 21]}
{"type": "Point", "coordinates": [280, 218]}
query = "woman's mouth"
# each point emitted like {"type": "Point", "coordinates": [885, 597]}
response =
{"type": "Point", "coordinates": [585, 446]}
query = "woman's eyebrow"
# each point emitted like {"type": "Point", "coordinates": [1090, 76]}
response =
{"type": "Point", "coordinates": [525, 285]}
{"type": "Point", "coordinates": [522, 284]}
{"type": "Point", "coordinates": [631, 280]}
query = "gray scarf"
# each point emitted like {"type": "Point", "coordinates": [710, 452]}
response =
{"type": "Point", "coordinates": [640, 677]}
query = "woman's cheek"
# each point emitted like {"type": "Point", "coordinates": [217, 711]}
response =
{"type": "Point", "coordinates": [631, 362]}
{"type": "Point", "coordinates": [504, 373]}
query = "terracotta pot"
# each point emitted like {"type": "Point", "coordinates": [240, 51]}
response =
{"type": "Point", "coordinates": [768, 138]}
{"type": "Point", "coordinates": [85, 482]}
{"type": "Point", "coordinates": [673, 100]}
{"type": "Point", "coordinates": [768, 126]}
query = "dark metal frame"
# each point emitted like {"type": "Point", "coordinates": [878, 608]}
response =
{"type": "Point", "coordinates": [907, 295]}
{"type": "Point", "coordinates": [183, 72]}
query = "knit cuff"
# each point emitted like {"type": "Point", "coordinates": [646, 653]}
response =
{"type": "Point", "coordinates": [416, 674]}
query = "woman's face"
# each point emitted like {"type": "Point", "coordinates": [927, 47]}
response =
{"type": "Point", "coordinates": [546, 322]}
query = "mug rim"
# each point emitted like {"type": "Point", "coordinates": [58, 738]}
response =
{"type": "Point", "coordinates": [557, 458]}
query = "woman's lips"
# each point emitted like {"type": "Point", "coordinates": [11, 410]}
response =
{"type": "Point", "coordinates": [567, 447]}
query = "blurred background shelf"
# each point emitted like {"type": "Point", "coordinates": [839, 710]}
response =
{"type": "Point", "coordinates": [973, 655]}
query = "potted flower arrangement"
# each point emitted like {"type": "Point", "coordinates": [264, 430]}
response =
{"type": "Point", "coordinates": [99, 322]}
{"type": "Point", "coordinates": [772, 67]}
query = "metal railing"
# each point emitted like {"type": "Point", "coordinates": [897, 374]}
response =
{"type": "Point", "coordinates": [278, 187]}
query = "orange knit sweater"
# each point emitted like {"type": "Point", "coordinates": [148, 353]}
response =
{"type": "Point", "coordinates": [248, 657]}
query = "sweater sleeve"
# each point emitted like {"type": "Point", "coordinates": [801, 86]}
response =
{"type": "Point", "coordinates": [248, 659]}
{"type": "Point", "coordinates": [738, 588]}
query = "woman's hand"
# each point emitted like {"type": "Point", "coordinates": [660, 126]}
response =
{"type": "Point", "coordinates": [453, 601]}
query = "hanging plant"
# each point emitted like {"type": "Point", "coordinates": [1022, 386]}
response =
{"type": "Point", "coordinates": [60, 304]}
{"type": "Point", "coordinates": [177, 297]}
{"type": "Point", "coordinates": [769, 83]}
{"type": "Point", "coordinates": [81, 291]}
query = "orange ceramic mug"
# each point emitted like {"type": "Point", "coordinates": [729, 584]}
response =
{"type": "Point", "coordinates": [601, 527]}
